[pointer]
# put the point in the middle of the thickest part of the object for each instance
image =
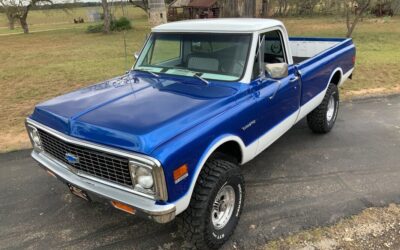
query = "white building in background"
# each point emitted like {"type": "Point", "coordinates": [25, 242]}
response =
{"type": "Point", "coordinates": [157, 12]}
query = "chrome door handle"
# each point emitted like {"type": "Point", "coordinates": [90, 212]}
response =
{"type": "Point", "coordinates": [294, 79]}
{"type": "Point", "coordinates": [279, 86]}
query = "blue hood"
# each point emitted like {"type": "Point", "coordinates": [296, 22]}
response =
{"type": "Point", "coordinates": [136, 112]}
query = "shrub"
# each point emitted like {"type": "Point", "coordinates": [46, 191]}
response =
{"type": "Point", "coordinates": [120, 24]}
{"type": "Point", "coordinates": [96, 28]}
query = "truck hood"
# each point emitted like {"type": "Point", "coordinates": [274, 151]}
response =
{"type": "Point", "coordinates": [135, 112]}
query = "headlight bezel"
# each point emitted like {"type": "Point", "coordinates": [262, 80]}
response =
{"type": "Point", "coordinates": [34, 137]}
{"type": "Point", "coordinates": [134, 168]}
{"type": "Point", "coordinates": [158, 189]}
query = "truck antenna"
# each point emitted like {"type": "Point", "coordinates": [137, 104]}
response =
{"type": "Point", "coordinates": [124, 35]}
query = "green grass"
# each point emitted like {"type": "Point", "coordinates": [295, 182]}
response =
{"type": "Point", "coordinates": [61, 19]}
{"type": "Point", "coordinates": [45, 64]}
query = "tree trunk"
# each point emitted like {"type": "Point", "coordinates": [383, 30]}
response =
{"type": "Point", "coordinates": [107, 18]}
{"type": "Point", "coordinates": [11, 24]}
{"type": "Point", "coordinates": [248, 8]}
{"type": "Point", "coordinates": [24, 24]}
{"type": "Point", "coordinates": [229, 8]}
{"type": "Point", "coordinates": [11, 21]}
{"type": "Point", "coordinates": [285, 8]}
{"type": "Point", "coordinates": [265, 8]}
{"type": "Point", "coordinates": [22, 19]}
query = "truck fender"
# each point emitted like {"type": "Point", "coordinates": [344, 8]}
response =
{"type": "Point", "coordinates": [183, 202]}
{"type": "Point", "coordinates": [334, 72]}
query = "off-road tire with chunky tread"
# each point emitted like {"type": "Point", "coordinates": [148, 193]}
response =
{"type": "Point", "coordinates": [195, 222]}
{"type": "Point", "coordinates": [317, 120]}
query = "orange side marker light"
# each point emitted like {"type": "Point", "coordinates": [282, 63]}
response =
{"type": "Point", "coordinates": [123, 207]}
{"type": "Point", "coordinates": [180, 173]}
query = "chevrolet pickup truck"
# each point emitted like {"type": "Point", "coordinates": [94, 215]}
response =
{"type": "Point", "coordinates": [203, 98]}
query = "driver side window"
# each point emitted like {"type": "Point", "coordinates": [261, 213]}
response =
{"type": "Point", "coordinates": [273, 51]}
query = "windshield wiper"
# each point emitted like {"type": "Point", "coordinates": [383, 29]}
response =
{"type": "Point", "coordinates": [197, 75]}
{"type": "Point", "coordinates": [147, 71]}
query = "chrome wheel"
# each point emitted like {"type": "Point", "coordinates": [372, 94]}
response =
{"type": "Point", "coordinates": [331, 109]}
{"type": "Point", "coordinates": [223, 206]}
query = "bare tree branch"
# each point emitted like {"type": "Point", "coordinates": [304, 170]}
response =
{"type": "Point", "coordinates": [143, 4]}
{"type": "Point", "coordinates": [19, 9]}
{"type": "Point", "coordinates": [359, 11]}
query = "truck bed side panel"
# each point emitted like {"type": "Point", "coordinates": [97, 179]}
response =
{"type": "Point", "coordinates": [317, 70]}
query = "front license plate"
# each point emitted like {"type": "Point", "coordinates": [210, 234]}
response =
{"type": "Point", "coordinates": [78, 192]}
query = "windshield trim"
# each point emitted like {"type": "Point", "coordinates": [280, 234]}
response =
{"type": "Point", "coordinates": [239, 79]}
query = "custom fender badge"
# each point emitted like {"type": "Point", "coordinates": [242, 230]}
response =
{"type": "Point", "coordinates": [249, 125]}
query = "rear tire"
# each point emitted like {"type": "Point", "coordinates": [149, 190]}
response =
{"type": "Point", "coordinates": [215, 206]}
{"type": "Point", "coordinates": [322, 119]}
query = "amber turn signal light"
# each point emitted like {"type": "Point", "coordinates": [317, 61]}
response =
{"type": "Point", "coordinates": [123, 207]}
{"type": "Point", "coordinates": [180, 173]}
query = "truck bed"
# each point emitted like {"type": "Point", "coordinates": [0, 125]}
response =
{"type": "Point", "coordinates": [317, 59]}
{"type": "Point", "coordinates": [304, 48]}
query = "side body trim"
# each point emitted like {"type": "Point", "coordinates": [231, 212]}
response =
{"type": "Point", "coordinates": [273, 134]}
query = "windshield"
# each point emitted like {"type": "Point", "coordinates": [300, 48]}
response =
{"type": "Point", "coordinates": [209, 56]}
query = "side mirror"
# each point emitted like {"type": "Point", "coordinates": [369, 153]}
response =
{"type": "Point", "coordinates": [136, 55]}
{"type": "Point", "coordinates": [277, 70]}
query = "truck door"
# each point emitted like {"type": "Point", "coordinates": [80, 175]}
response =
{"type": "Point", "coordinates": [279, 99]}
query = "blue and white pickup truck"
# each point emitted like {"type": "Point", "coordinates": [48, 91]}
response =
{"type": "Point", "coordinates": [204, 97]}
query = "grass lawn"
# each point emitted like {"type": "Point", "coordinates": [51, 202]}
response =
{"type": "Point", "coordinates": [44, 64]}
{"type": "Point", "coordinates": [58, 19]}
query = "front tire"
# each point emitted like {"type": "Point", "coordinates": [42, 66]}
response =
{"type": "Point", "coordinates": [322, 119]}
{"type": "Point", "coordinates": [215, 206]}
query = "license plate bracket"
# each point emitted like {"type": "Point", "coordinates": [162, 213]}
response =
{"type": "Point", "coordinates": [78, 192]}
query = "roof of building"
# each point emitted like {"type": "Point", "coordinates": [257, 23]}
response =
{"type": "Point", "coordinates": [202, 3]}
{"type": "Point", "coordinates": [226, 25]}
{"type": "Point", "coordinates": [179, 3]}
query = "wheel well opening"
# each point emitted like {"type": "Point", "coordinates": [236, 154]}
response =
{"type": "Point", "coordinates": [336, 78]}
{"type": "Point", "coordinates": [231, 149]}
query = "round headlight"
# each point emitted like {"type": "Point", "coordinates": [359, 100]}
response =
{"type": "Point", "coordinates": [144, 177]}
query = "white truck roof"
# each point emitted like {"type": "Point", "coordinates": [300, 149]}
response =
{"type": "Point", "coordinates": [219, 25]}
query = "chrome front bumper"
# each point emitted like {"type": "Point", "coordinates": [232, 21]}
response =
{"type": "Point", "coordinates": [144, 207]}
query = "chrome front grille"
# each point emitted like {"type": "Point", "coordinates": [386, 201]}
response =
{"type": "Point", "coordinates": [92, 162]}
